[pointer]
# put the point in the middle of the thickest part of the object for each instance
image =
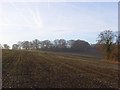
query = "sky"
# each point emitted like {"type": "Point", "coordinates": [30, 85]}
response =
{"type": "Point", "coordinates": [21, 21]}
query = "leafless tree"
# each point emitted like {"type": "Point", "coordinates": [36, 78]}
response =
{"type": "Point", "coordinates": [36, 43]}
{"type": "Point", "coordinates": [15, 46]}
{"type": "Point", "coordinates": [106, 39]}
{"type": "Point", "coordinates": [26, 45]}
{"type": "Point", "coordinates": [62, 43]}
{"type": "Point", "coordinates": [70, 43]}
{"type": "Point", "coordinates": [19, 44]}
{"type": "Point", "coordinates": [5, 46]}
{"type": "Point", "coordinates": [46, 44]}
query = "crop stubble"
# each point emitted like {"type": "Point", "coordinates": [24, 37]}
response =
{"type": "Point", "coordinates": [27, 69]}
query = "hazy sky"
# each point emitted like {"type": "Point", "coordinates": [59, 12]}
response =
{"type": "Point", "coordinates": [55, 20]}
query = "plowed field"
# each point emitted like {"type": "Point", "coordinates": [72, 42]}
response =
{"type": "Point", "coordinates": [38, 69]}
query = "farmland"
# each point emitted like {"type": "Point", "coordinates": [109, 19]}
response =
{"type": "Point", "coordinates": [42, 69]}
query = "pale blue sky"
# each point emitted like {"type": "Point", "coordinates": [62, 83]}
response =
{"type": "Point", "coordinates": [55, 20]}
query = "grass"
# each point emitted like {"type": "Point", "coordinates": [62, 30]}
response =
{"type": "Point", "coordinates": [38, 69]}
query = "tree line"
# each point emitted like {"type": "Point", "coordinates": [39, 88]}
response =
{"type": "Point", "coordinates": [56, 45]}
{"type": "Point", "coordinates": [108, 44]}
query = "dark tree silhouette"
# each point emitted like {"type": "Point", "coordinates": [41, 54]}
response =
{"type": "Point", "coordinates": [26, 45]}
{"type": "Point", "coordinates": [5, 46]}
{"type": "Point", "coordinates": [36, 44]}
{"type": "Point", "coordinates": [15, 46]}
{"type": "Point", "coordinates": [106, 39]}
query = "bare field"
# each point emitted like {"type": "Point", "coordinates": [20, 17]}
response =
{"type": "Point", "coordinates": [38, 69]}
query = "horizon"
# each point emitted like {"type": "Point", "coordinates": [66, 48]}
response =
{"type": "Point", "coordinates": [23, 21]}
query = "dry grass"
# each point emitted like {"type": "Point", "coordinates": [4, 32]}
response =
{"type": "Point", "coordinates": [111, 61]}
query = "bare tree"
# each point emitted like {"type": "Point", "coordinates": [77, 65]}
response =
{"type": "Point", "coordinates": [62, 43]}
{"type": "Point", "coordinates": [106, 39]}
{"type": "Point", "coordinates": [56, 43]}
{"type": "Point", "coordinates": [26, 45]}
{"type": "Point", "coordinates": [15, 46]}
{"type": "Point", "coordinates": [80, 45]}
{"type": "Point", "coordinates": [5, 46]}
{"type": "Point", "coordinates": [46, 44]}
{"type": "Point", "coordinates": [19, 45]}
{"type": "Point", "coordinates": [70, 43]}
{"type": "Point", "coordinates": [36, 43]}
{"type": "Point", "coordinates": [31, 46]}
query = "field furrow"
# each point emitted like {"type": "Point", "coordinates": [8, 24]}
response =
{"type": "Point", "coordinates": [27, 69]}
